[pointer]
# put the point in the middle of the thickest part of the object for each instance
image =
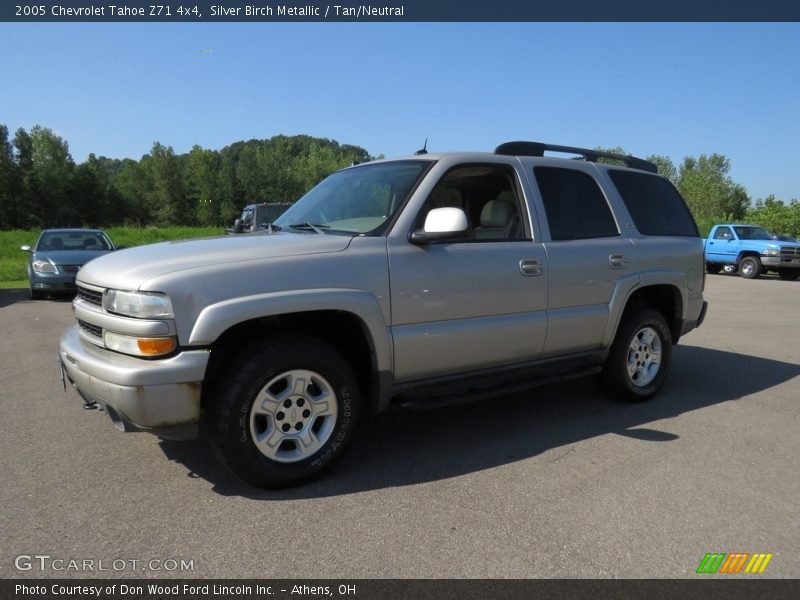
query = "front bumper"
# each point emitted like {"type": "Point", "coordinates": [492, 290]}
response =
{"type": "Point", "coordinates": [158, 396]}
{"type": "Point", "coordinates": [780, 262]}
{"type": "Point", "coordinates": [53, 282]}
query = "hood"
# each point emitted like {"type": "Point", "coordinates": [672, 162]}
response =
{"type": "Point", "coordinates": [129, 269]}
{"type": "Point", "coordinates": [68, 257]}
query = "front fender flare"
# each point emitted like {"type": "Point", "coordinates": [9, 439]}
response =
{"type": "Point", "coordinates": [217, 318]}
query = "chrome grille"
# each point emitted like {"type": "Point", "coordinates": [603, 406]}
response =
{"type": "Point", "coordinates": [90, 296]}
{"type": "Point", "coordinates": [91, 329]}
{"type": "Point", "coordinates": [790, 251]}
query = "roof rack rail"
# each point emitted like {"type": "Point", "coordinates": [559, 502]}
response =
{"type": "Point", "coordinates": [539, 148]}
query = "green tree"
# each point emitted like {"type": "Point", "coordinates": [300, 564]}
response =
{"type": "Point", "coordinates": [776, 216]}
{"type": "Point", "coordinates": [231, 198]}
{"type": "Point", "coordinates": [708, 189]}
{"type": "Point", "coordinates": [665, 166]}
{"type": "Point", "coordinates": [10, 183]}
{"type": "Point", "coordinates": [28, 190]}
{"type": "Point", "coordinates": [202, 186]}
{"type": "Point", "coordinates": [53, 169]}
{"type": "Point", "coordinates": [166, 197]}
{"type": "Point", "coordinates": [132, 184]}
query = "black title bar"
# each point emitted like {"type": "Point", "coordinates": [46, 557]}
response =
{"type": "Point", "coordinates": [397, 11]}
{"type": "Point", "coordinates": [395, 589]}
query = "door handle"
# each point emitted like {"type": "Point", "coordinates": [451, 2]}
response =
{"type": "Point", "coordinates": [617, 261]}
{"type": "Point", "coordinates": [530, 267]}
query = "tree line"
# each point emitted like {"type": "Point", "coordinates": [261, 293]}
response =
{"type": "Point", "coordinates": [42, 186]}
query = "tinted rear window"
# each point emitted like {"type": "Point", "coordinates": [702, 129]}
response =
{"type": "Point", "coordinates": [576, 208]}
{"type": "Point", "coordinates": [655, 205]}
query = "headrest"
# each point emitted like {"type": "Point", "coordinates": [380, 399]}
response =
{"type": "Point", "coordinates": [497, 213]}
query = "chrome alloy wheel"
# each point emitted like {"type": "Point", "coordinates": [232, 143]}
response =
{"type": "Point", "coordinates": [748, 267]}
{"type": "Point", "coordinates": [293, 415]}
{"type": "Point", "coordinates": [644, 357]}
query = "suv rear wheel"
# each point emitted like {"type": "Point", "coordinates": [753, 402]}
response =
{"type": "Point", "coordinates": [640, 356]}
{"type": "Point", "coordinates": [284, 411]}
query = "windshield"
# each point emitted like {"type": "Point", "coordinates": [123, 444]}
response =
{"type": "Point", "coordinates": [752, 233]}
{"type": "Point", "coordinates": [73, 240]}
{"type": "Point", "coordinates": [360, 200]}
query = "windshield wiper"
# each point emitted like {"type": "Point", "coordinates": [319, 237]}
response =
{"type": "Point", "coordinates": [314, 226]}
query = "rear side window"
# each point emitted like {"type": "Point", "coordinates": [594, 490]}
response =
{"type": "Point", "coordinates": [575, 207]}
{"type": "Point", "coordinates": [655, 205]}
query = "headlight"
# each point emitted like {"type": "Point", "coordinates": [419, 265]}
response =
{"type": "Point", "coordinates": [44, 266]}
{"type": "Point", "coordinates": [770, 253]}
{"type": "Point", "coordinates": [143, 305]}
{"type": "Point", "coordinates": [138, 346]}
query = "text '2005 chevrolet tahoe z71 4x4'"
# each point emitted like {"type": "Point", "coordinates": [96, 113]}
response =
{"type": "Point", "coordinates": [420, 281]}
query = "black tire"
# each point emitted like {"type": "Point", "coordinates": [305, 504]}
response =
{"type": "Point", "coordinates": [713, 268]}
{"type": "Point", "coordinates": [231, 420]}
{"type": "Point", "coordinates": [616, 378]}
{"type": "Point", "coordinates": [789, 274]}
{"type": "Point", "coordinates": [35, 294]}
{"type": "Point", "coordinates": [750, 267]}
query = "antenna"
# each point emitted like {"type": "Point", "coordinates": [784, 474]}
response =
{"type": "Point", "coordinates": [424, 149]}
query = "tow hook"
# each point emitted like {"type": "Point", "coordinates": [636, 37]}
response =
{"type": "Point", "coordinates": [87, 404]}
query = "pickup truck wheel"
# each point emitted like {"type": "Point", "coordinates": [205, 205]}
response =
{"type": "Point", "coordinates": [640, 357]}
{"type": "Point", "coordinates": [788, 274]}
{"type": "Point", "coordinates": [749, 267]}
{"type": "Point", "coordinates": [285, 412]}
{"type": "Point", "coordinates": [713, 268]}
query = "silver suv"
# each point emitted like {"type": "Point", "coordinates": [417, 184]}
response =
{"type": "Point", "coordinates": [421, 281]}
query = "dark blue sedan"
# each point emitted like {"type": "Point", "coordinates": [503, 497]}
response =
{"type": "Point", "coordinates": [58, 256]}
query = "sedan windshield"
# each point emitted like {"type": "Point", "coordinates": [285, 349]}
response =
{"type": "Point", "coordinates": [73, 240]}
{"type": "Point", "coordinates": [752, 233]}
{"type": "Point", "coordinates": [358, 200]}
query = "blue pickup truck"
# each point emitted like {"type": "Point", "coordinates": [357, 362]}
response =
{"type": "Point", "coordinates": [752, 251]}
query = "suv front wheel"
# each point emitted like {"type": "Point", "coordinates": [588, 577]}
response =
{"type": "Point", "coordinates": [640, 356]}
{"type": "Point", "coordinates": [284, 411]}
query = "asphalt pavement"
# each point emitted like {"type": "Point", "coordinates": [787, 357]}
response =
{"type": "Point", "coordinates": [555, 482]}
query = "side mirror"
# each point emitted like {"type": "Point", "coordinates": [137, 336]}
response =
{"type": "Point", "coordinates": [25, 248]}
{"type": "Point", "coordinates": [448, 223]}
{"type": "Point", "coordinates": [121, 247]}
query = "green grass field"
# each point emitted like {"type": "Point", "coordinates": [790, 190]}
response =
{"type": "Point", "coordinates": [13, 260]}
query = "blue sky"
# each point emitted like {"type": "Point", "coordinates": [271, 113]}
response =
{"type": "Point", "coordinates": [673, 89]}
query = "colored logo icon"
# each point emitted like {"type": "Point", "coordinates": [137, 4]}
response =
{"type": "Point", "coordinates": [736, 562]}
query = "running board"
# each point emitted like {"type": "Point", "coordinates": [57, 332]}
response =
{"type": "Point", "coordinates": [436, 398]}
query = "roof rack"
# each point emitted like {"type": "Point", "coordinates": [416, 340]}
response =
{"type": "Point", "coordinates": [539, 148]}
